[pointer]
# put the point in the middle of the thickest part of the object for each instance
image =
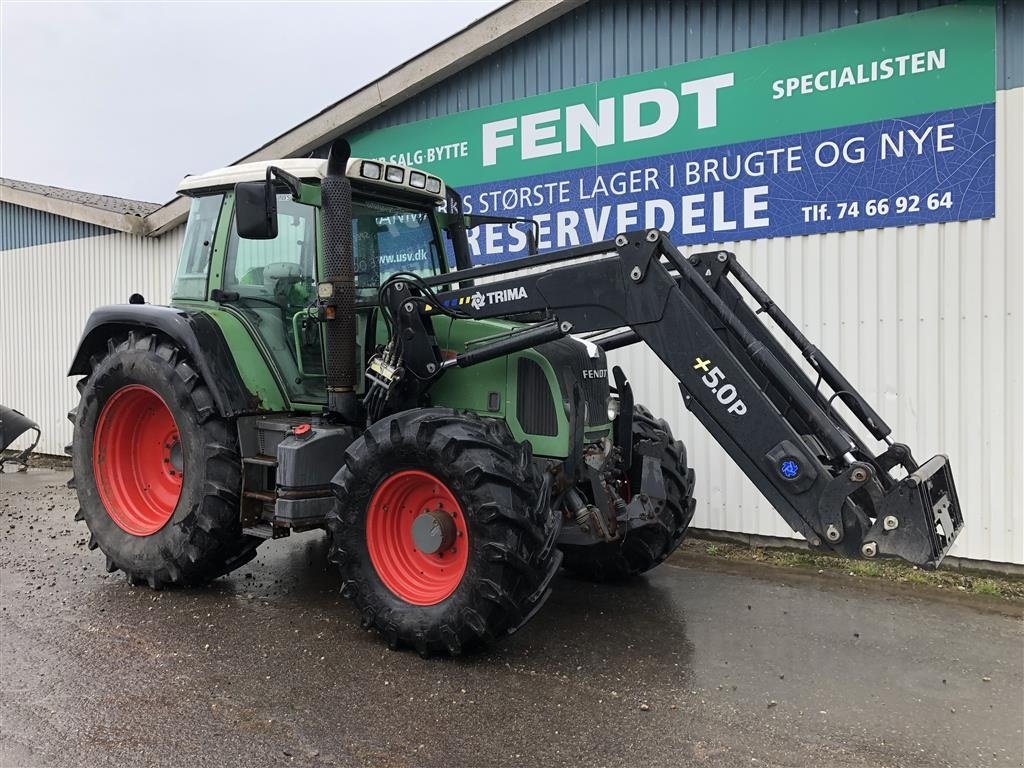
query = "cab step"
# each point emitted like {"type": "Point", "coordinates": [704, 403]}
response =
{"type": "Point", "coordinates": [265, 531]}
{"type": "Point", "coordinates": [260, 461]}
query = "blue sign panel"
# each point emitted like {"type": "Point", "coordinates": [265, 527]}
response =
{"type": "Point", "coordinates": [910, 170]}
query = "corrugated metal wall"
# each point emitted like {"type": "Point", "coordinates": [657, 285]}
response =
{"type": "Point", "coordinates": [46, 294]}
{"type": "Point", "coordinates": [21, 227]}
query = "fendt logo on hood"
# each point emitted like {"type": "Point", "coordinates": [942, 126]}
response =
{"type": "Point", "coordinates": [480, 299]}
{"type": "Point", "coordinates": [595, 373]}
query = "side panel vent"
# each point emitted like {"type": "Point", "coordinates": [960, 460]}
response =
{"type": "Point", "coordinates": [535, 408]}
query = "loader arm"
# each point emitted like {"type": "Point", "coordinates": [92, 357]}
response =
{"type": "Point", "coordinates": [735, 376]}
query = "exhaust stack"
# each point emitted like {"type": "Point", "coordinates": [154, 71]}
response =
{"type": "Point", "coordinates": [337, 286]}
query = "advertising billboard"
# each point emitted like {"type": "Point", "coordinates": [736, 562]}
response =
{"type": "Point", "coordinates": [881, 124]}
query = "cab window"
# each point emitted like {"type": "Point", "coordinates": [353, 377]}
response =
{"type": "Point", "coordinates": [194, 263]}
{"type": "Point", "coordinates": [256, 268]}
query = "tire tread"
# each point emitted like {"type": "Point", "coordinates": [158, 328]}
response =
{"type": "Point", "coordinates": [502, 494]}
{"type": "Point", "coordinates": [213, 543]}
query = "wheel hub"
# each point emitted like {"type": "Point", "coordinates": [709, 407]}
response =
{"type": "Point", "coordinates": [433, 531]}
{"type": "Point", "coordinates": [173, 458]}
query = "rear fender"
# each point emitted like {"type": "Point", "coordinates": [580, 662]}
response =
{"type": "Point", "coordinates": [195, 332]}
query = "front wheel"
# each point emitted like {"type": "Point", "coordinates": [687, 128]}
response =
{"type": "Point", "coordinates": [442, 532]}
{"type": "Point", "coordinates": [157, 472]}
{"type": "Point", "coordinates": [643, 548]}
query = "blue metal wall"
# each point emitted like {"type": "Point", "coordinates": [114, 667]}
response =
{"type": "Point", "coordinates": [612, 38]}
{"type": "Point", "coordinates": [21, 227]}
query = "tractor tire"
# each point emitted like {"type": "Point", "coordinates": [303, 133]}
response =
{"type": "Point", "coordinates": [157, 472]}
{"type": "Point", "coordinates": [643, 548]}
{"type": "Point", "coordinates": [443, 530]}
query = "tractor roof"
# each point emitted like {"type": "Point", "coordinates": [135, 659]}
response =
{"type": "Point", "coordinates": [391, 176]}
{"type": "Point", "coordinates": [304, 168]}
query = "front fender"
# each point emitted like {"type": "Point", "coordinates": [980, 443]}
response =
{"type": "Point", "coordinates": [193, 331]}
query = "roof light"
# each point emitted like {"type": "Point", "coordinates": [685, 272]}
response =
{"type": "Point", "coordinates": [395, 174]}
{"type": "Point", "coordinates": [417, 179]}
{"type": "Point", "coordinates": [370, 170]}
{"type": "Point", "coordinates": [433, 185]}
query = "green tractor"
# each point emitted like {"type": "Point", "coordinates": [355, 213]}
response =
{"type": "Point", "coordinates": [332, 359]}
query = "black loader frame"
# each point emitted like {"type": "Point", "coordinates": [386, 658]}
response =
{"type": "Point", "coordinates": [736, 377]}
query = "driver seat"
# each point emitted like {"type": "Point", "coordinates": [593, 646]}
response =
{"type": "Point", "coordinates": [279, 277]}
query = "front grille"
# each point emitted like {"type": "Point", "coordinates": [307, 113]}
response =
{"type": "Point", "coordinates": [569, 359]}
{"type": "Point", "coordinates": [535, 408]}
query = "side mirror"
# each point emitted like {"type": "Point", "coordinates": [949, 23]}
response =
{"type": "Point", "coordinates": [255, 210]}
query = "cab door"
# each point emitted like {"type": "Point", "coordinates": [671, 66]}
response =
{"type": "Point", "coordinates": [272, 285]}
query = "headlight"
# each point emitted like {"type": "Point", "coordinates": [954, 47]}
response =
{"type": "Point", "coordinates": [613, 408]}
{"type": "Point", "coordinates": [370, 171]}
{"type": "Point", "coordinates": [395, 174]}
{"type": "Point", "coordinates": [417, 179]}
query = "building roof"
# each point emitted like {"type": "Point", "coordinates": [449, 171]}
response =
{"type": "Point", "coordinates": [117, 213]}
{"type": "Point", "coordinates": [91, 199]}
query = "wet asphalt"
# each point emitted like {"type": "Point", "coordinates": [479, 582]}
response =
{"type": "Point", "coordinates": [687, 666]}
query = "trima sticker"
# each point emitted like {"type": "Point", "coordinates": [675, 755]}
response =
{"type": "Point", "coordinates": [480, 299]}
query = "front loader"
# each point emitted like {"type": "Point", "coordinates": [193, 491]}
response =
{"type": "Point", "coordinates": [331, 359]}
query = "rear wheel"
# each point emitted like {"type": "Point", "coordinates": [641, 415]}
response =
{"type": "Point", "coordinates": [156, 470]}
{"type": "Point", "coordinates": [443, 531]}
{"type": "Point", "coordinates": [647, 546]}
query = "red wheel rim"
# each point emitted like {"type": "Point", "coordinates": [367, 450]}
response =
{"type": "Point", "coordinates": [137, 460]}
{"type": "Point", "coordinates": [411, 574]}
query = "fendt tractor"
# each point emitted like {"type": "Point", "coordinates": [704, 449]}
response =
{"type": "Point", "coordinates": [332, 359]}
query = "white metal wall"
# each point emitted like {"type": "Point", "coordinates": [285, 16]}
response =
{"type": "Point", "coordinates": [926, 321]}
{"type": "Point", "coordinates": [46, 295]}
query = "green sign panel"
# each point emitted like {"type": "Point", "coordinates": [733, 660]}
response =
{"type": "Point", "coordinates": [777, 116]}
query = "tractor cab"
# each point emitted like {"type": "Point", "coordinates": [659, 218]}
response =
{"type": "Point", "coordinates": [267, 279]}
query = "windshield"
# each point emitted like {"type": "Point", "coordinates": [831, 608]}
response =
{"type": "Point", "coordinates": [389, 238]}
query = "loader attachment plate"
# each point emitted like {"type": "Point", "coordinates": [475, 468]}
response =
{"type": "Point", "coordinates": [921, 517]}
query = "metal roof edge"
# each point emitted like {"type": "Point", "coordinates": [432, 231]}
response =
{"type": "Point", "coordinates": [134, 225]}
{"type": "Point", "coordinates": [497, 29]}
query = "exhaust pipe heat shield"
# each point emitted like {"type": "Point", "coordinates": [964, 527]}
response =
{"type": "Point", "coordinates": [338, 286]}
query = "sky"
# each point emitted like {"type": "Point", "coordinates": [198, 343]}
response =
{"type": "Point", "coordinates": [126, 98]}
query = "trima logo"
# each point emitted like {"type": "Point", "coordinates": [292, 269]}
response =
{"type": "Point", "coordinates": [480, 299]}
{"type": "Point", "coordinates": [506, 294]}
